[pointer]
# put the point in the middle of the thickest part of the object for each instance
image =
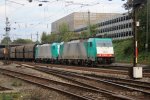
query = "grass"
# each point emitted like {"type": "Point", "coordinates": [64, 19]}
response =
{"type": "Point", "coordinates": [10, 96]}
{"type": "Point", "coordinates": [17, 83]}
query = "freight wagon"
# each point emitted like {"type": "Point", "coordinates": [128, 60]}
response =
{"type": "Point", "coordinates": [20, 52]}
{"type": "Point", "coordinates": [1, 53]}
{"type": "Point", "coordinates": [29, 52]}
{"type": "Point", "coordinates": [13, 53]}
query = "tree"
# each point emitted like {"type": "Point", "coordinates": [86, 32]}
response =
{"type": "Point", "coordinates": [22, 41]}
{"type": "Point", "coordinates": [93, 30]}
{"type": "Point", "coordinates": [49, 38]}
{"type": "Point", "coordinates": [63, 28]}
{"type": "Point", "coordinates": [44, 38]}
{"type": "Point", "coordinates": [69, 36]}
{"type": "Point", "coordinates": [53, 37]}
{"type": "Point", "coordinates": [6, 40]}
{"type": "Point", "coordinates": [142, 17]}
{"type": "Point", "coordinates": [84, 34]}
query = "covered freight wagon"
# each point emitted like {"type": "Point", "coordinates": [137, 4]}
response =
{"type": "Point", "coordinates": [12, 52]}
{"type": "Point", "coordinates": [20, 52]}
{"type": "Point", "coordinates": [29, 52]}
{"type": "Point", "coordinates": [1, 53]}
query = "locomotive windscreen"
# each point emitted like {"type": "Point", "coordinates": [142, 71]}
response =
{"type": "Point", "coordinates": [104, 44]}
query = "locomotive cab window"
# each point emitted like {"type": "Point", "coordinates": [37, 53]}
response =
{"type": "Point", "coordinates": [104, 44]}
{"type": "Point", "coordinates": [90, 44]}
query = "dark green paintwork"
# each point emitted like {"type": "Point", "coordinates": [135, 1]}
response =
{"type": "Point", "coordinates": [36, 52]}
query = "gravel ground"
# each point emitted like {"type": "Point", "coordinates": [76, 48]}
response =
{"type": "Point", "coordinates": [29, 91]}
{"type": "Point", "coordinates": [34, 72]}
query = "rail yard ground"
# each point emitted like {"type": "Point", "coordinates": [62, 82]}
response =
{"type": "Point", "coordinates": [25, 90]}
{"type": "Point", "coordinates": [30, 81]}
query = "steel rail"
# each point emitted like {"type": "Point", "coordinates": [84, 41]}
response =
{"type": "Point", "coordinates": [2, 88]}
{"type": "Point", "coordinates": [42, 85]}
{"type": "Point", "coordinates": [95, 79]}
{"type": "Point", "coordinates": [123, 70]}
{"type": "Point", "coordinates": [113, 95]}
{"type": "Point", "coordinates": [105, 81]}
{"type": "Point", "coordinates": [57, 73]}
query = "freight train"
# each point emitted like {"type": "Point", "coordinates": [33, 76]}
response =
{"type": "Point", "coordinates": [87, 52]}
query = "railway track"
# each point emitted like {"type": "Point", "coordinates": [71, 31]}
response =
{"type": "Point", "coordinates": [113, 69]}
{"type": "Point", "coordinates": [129, 82]}
{"type": "Point", "coordinates": [122, 86]}
{"type": "Point", "coordinates": [77, 91]}
{"type": "Point", "coordinates": [4, 88]}
{"type": "Point", "coordinates": [123, 67]}
{"type": "Point", "coordinates": [121, 70]}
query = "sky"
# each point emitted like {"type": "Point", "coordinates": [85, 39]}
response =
{"type": "Point", "coordinates": [28, 19]}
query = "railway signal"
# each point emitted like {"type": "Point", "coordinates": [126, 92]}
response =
{"type": "Point", "coordinates": [135, 5]}
{"type": "Point", "coordinates": [7, 30]}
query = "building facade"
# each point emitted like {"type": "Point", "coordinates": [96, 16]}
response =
{"type": "Point", "coordinates": [111, 25]}
{"type": "Point", "coordinates": [116, 27]}
{"type": "Point", "coordinates": [79, 19]}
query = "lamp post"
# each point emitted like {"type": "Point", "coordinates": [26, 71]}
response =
{"type": "Point", "coordinates": [89, 23]}
{"type": "Point", "coordinates": [7, 29]}
{"type": "Point", "coordinates": [6, 50]}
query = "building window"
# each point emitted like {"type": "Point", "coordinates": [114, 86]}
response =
{"type": "Point", "coordinates": [124, 18]}
{"type": "Point", "coordinates": [127, 25]}
{"type": "Point", "coordinates": [130, 33]}
{"type": "Point", "coordinates": [118, 19]}
{"type": "Point", "coordinates": [127, 17]}
{"type": "Point", "coordinates": [121, 18]}
{"type": "Point", "coordinates": [130, 24]}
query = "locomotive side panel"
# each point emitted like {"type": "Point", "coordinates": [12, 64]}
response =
{"type": "Point", "coordinates": [44, 51]}
{"type": "Point", "coordinates": [55, 50]}
{"type": "Point", "coordinates": [73, 50]}
{"type": "Point", "coordinates": [91, 49]}
{"type": "Point", "coordinates": [82, 50]}
{"type": "Point", "coordinates": [37, 52]}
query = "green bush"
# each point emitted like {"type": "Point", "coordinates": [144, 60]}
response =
{"type": "Point", "coordinates": [124, 52]}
